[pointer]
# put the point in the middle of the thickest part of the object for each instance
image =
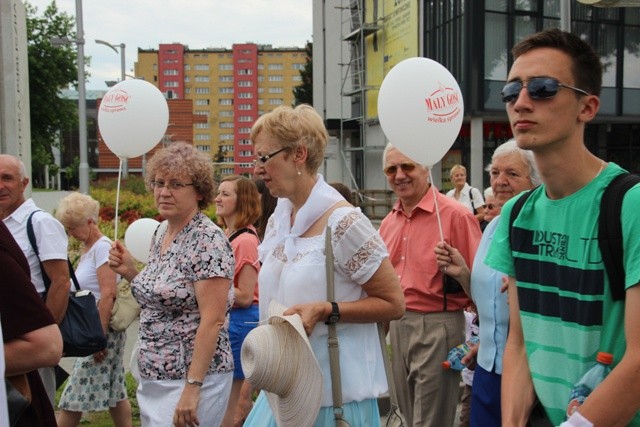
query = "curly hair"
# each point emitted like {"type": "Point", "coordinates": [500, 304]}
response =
{"type": "Point", "coordinates": [76, 208]}
{"type": "Point", "coordinates": [248, 207]}
{"type": "Point", "coordinates": [293, 127]}
{"type": "Point", "coordinates": [182, 160]}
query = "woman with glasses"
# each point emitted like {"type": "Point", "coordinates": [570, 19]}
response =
{"type": "Point", "coordinates": [185, 293]}
{"type": "Point", "coordinates": [97, 381]}
{"type": "Point", "coordinates": [512, 170]}
{"type": "Point", "coordinates": [470, 197]}
{"type": "Point", "coordinates": [289, 145]}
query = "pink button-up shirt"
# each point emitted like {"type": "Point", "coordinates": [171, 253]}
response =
{"type": "Point", "coordinates": [411, 238]}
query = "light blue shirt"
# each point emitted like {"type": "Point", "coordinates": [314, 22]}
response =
{"type": "Point", "coordinates": [493, 310]}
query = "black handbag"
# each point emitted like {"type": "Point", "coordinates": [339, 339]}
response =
{"type": "Point", "coordinates": [81, 329]}
{"type": "Point", "coordinates": [16, 401]}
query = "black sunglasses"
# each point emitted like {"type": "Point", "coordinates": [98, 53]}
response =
{"type": "Point", "coordinates": [537, 87]}
{"type": "Point", "coordinates": [406, 168]}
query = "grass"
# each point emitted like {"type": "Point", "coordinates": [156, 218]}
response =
{"type": "Point", "coordinates": [102, 418]}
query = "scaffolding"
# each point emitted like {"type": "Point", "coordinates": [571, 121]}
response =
{"type": "Point", "coordinates": [354, 86]}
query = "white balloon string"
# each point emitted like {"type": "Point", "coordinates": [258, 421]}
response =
{"type": "Point", "coordinates": [435, 200]}
{"type": "Point", "coordinates": [115, 219]}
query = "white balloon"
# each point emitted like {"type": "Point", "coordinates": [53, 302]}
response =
{"type": "Point", "coordinates": [133, 118]}
{"type": "Point", "coordinates": [138, 236]}
{"type": "Point", "coordinates": [420, 108]}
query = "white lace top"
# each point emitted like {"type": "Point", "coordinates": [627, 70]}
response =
{"type": "Point", "coordinates": [358, 252]}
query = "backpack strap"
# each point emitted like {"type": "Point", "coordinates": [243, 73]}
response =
{"type": "Point", "coordinates": [515, 211]}
{"type": "Point", "coordinates": [610, 231]}
{"type": "Point", "coordinates": [32, 240]}
{"type": "Point", "coordinates": [239, 232]}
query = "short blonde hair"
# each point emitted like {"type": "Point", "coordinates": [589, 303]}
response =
{"type": "Point", "coordinates": [184, 160]}
{"type": "Point", "coordinates": [456, 168]}
{"type": "Point", "coordinates": [294, 127]}
{"type": "Point", "coordinates": [76, 208]}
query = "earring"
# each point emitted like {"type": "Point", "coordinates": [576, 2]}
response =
{"type": "Point", "coordinates": [299, 173]}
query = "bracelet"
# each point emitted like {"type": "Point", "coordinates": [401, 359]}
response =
{"type": "Point", "coordinates": [194, 382]}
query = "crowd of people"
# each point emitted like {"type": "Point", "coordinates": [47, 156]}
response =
{"type": "Point", "coordinates": [292, 264]}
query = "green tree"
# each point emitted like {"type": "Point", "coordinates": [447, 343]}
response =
{"type": "Point", "coordinates": [303, 93]}
{"type": "Point", "coordinates": [51, 69]}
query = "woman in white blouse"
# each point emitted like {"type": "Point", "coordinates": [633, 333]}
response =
{"type": "Point", "coordinates": [469, 196]}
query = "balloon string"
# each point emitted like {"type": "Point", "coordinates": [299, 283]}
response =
{"type": "Point", "coordinates": [435, 199]}
{"type": "Point", "coordinates": [115, 237]}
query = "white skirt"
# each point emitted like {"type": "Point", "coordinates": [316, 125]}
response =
{"type": "Point", "coordinates": [157, 400]}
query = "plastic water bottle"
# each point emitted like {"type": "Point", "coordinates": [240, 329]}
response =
{"type": "Point", "coordinates": [454, 358]}
{"type": "Point", "coordinates": [589, 381]}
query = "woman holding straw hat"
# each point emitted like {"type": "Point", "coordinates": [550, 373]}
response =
{"type": "Point", "coordinates": [289, 146]}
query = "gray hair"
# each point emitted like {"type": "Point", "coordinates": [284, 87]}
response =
{"type": "Point", "coordinates": [511, 147]}
{"type": "Point", "coordinates": [390, 147]}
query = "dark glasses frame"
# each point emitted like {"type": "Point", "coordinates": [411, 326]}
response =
{"type": "Point", "coordinates": [261, 160]}
{"type": "Point", "coordinates": [537, 88]}
{"type": "Point", "coordinates": [406, 168]}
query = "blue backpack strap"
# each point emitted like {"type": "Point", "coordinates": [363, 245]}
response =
{"type": "Point", "coordinates": [610, 231]}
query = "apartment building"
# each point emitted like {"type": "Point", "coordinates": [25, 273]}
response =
{"type": "Point", "coordinates": [231, 88]}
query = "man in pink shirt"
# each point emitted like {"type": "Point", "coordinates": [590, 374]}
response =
{"type": "Point", "coordinates": [434, 319]}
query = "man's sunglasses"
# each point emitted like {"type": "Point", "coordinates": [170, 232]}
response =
{"type": "Point", "coordinates": [537, 87]}
{"type": "Point", "coordinates": [406, 168]}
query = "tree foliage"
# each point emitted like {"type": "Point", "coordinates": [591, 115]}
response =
{"type": "Point", "coordinates": [51, 69]}
{"type": "Point", "coordinates": [303, 93]}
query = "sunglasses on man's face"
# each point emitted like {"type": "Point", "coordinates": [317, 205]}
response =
{"type": "Point", "coordinates": [406, 168]}
{"type": "Point", "coordinates": [537, 88]}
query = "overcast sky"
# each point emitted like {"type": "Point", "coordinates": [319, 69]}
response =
{"type": "Point", "coordinates": [196, 23]}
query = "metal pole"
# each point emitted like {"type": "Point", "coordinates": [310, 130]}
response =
{"type": "Point", "coordinates": [565, 16]}
{"type": "Point", "coordinates": [83, 169]}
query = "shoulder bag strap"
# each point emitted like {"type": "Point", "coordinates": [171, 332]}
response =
{"type": "Point", "coordinates": [32, 240]}
{"type": "Point", "coordinates": [334, 352]}
{"type": "Point", "coordinates": [239, 232]}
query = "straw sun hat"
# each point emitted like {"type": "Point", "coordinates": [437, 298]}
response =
{"type": "Point", "coordinates": [277, 358]}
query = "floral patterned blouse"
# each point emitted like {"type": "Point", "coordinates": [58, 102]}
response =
{"type": "Point", "coordinates": [165, 290]}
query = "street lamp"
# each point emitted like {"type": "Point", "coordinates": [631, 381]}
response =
{"type": "Point", "coordinates": [123, 75]}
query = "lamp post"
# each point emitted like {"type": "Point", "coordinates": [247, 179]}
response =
{"type": "Point", "coordinates": [83, 169]}
{"type": "Point", "coordinates": [123, 75]}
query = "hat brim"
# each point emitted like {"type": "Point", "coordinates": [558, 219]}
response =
{"type": "Point", "coordinates": [301, 405]}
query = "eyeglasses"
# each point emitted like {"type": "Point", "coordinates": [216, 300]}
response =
{"type": "Point", "coordinates": [537, 87]}
{"type": "Point", "coordinates": [406, 168]}
{"type": "Point", "coordinates": [261, 160]}
{"type": "Point", "coordinates": [171, 185]}
{"type": "Point", "coordinates": [491, 206]}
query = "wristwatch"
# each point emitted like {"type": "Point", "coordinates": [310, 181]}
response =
{"type": "Point", "coordinates": [194, 382]}
{"type": "Point", "coordinates": [334, 317]}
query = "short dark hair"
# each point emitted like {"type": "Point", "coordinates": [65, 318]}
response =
{"type": "Point", "coordinates": [586, 69]}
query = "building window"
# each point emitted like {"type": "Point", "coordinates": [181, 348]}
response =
{"type": "Point", "coordinates": [170, 72]}
{"type": "Point", "coordinates": [202, 102]}
{"type": "Point", "coordinates": [202, 79]}
{"type": "Point", "coordinates": [297, 78]}
{"type": "Point", "coordinates": [244, 107]}
{"type": "Point", "coordinates": [276, 78]}
{"type": "Point", "coordinates": [225, 79]}
{"type": "Point", "coordinates": [201, 67]}
{"type": "Point", "coordinates": [245, 119]}
{"type": "Point", "coordinates": [170, 84]}
{"type": "Point", "coordinates": [225, 67]}
{"type": "Point", "coordinates": [276, 101]}
{"type": "Point", "coordinates": [225, 113]}
{"type": "Point", "coordinates": [244, 141]}
{"type": "Point", "coordinates": [226, 125]}
{"type": "Point", "coordinates": [202, 90]}
{"type": "Point", "coordinates": [275, 67]}
{"type": "Point", "coordinates": [297, 66]}
{"type": "Point", "coordinates": [204, 148]}
{"type": "Point", "coordinates": [225, 90]}
{"type": "Point", "coordinates": [201, 113]}
{"type": "Point", "coordinates": [276, 90]}
{"type": "Point", "coordinates": [245, 83]}
{"type": "Point", "coordinates": [203, 137]}
{"type": "Point", "coordinates": [246, 153]}
{"type": "Point", "coordinates": [245, 95]}
{"type": "Point", "coordinates": [226, 136]}
{"type": "Point", "coordinates": [260, 66]}
{"type": "Point", "coordinates": [202, 125]}
{"type": "Point", "coordinates": [244, 130]}
{"type": "Point", "coordinates": [226, 102]}
{"type": "Point", "coordinates": [245, 72]}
